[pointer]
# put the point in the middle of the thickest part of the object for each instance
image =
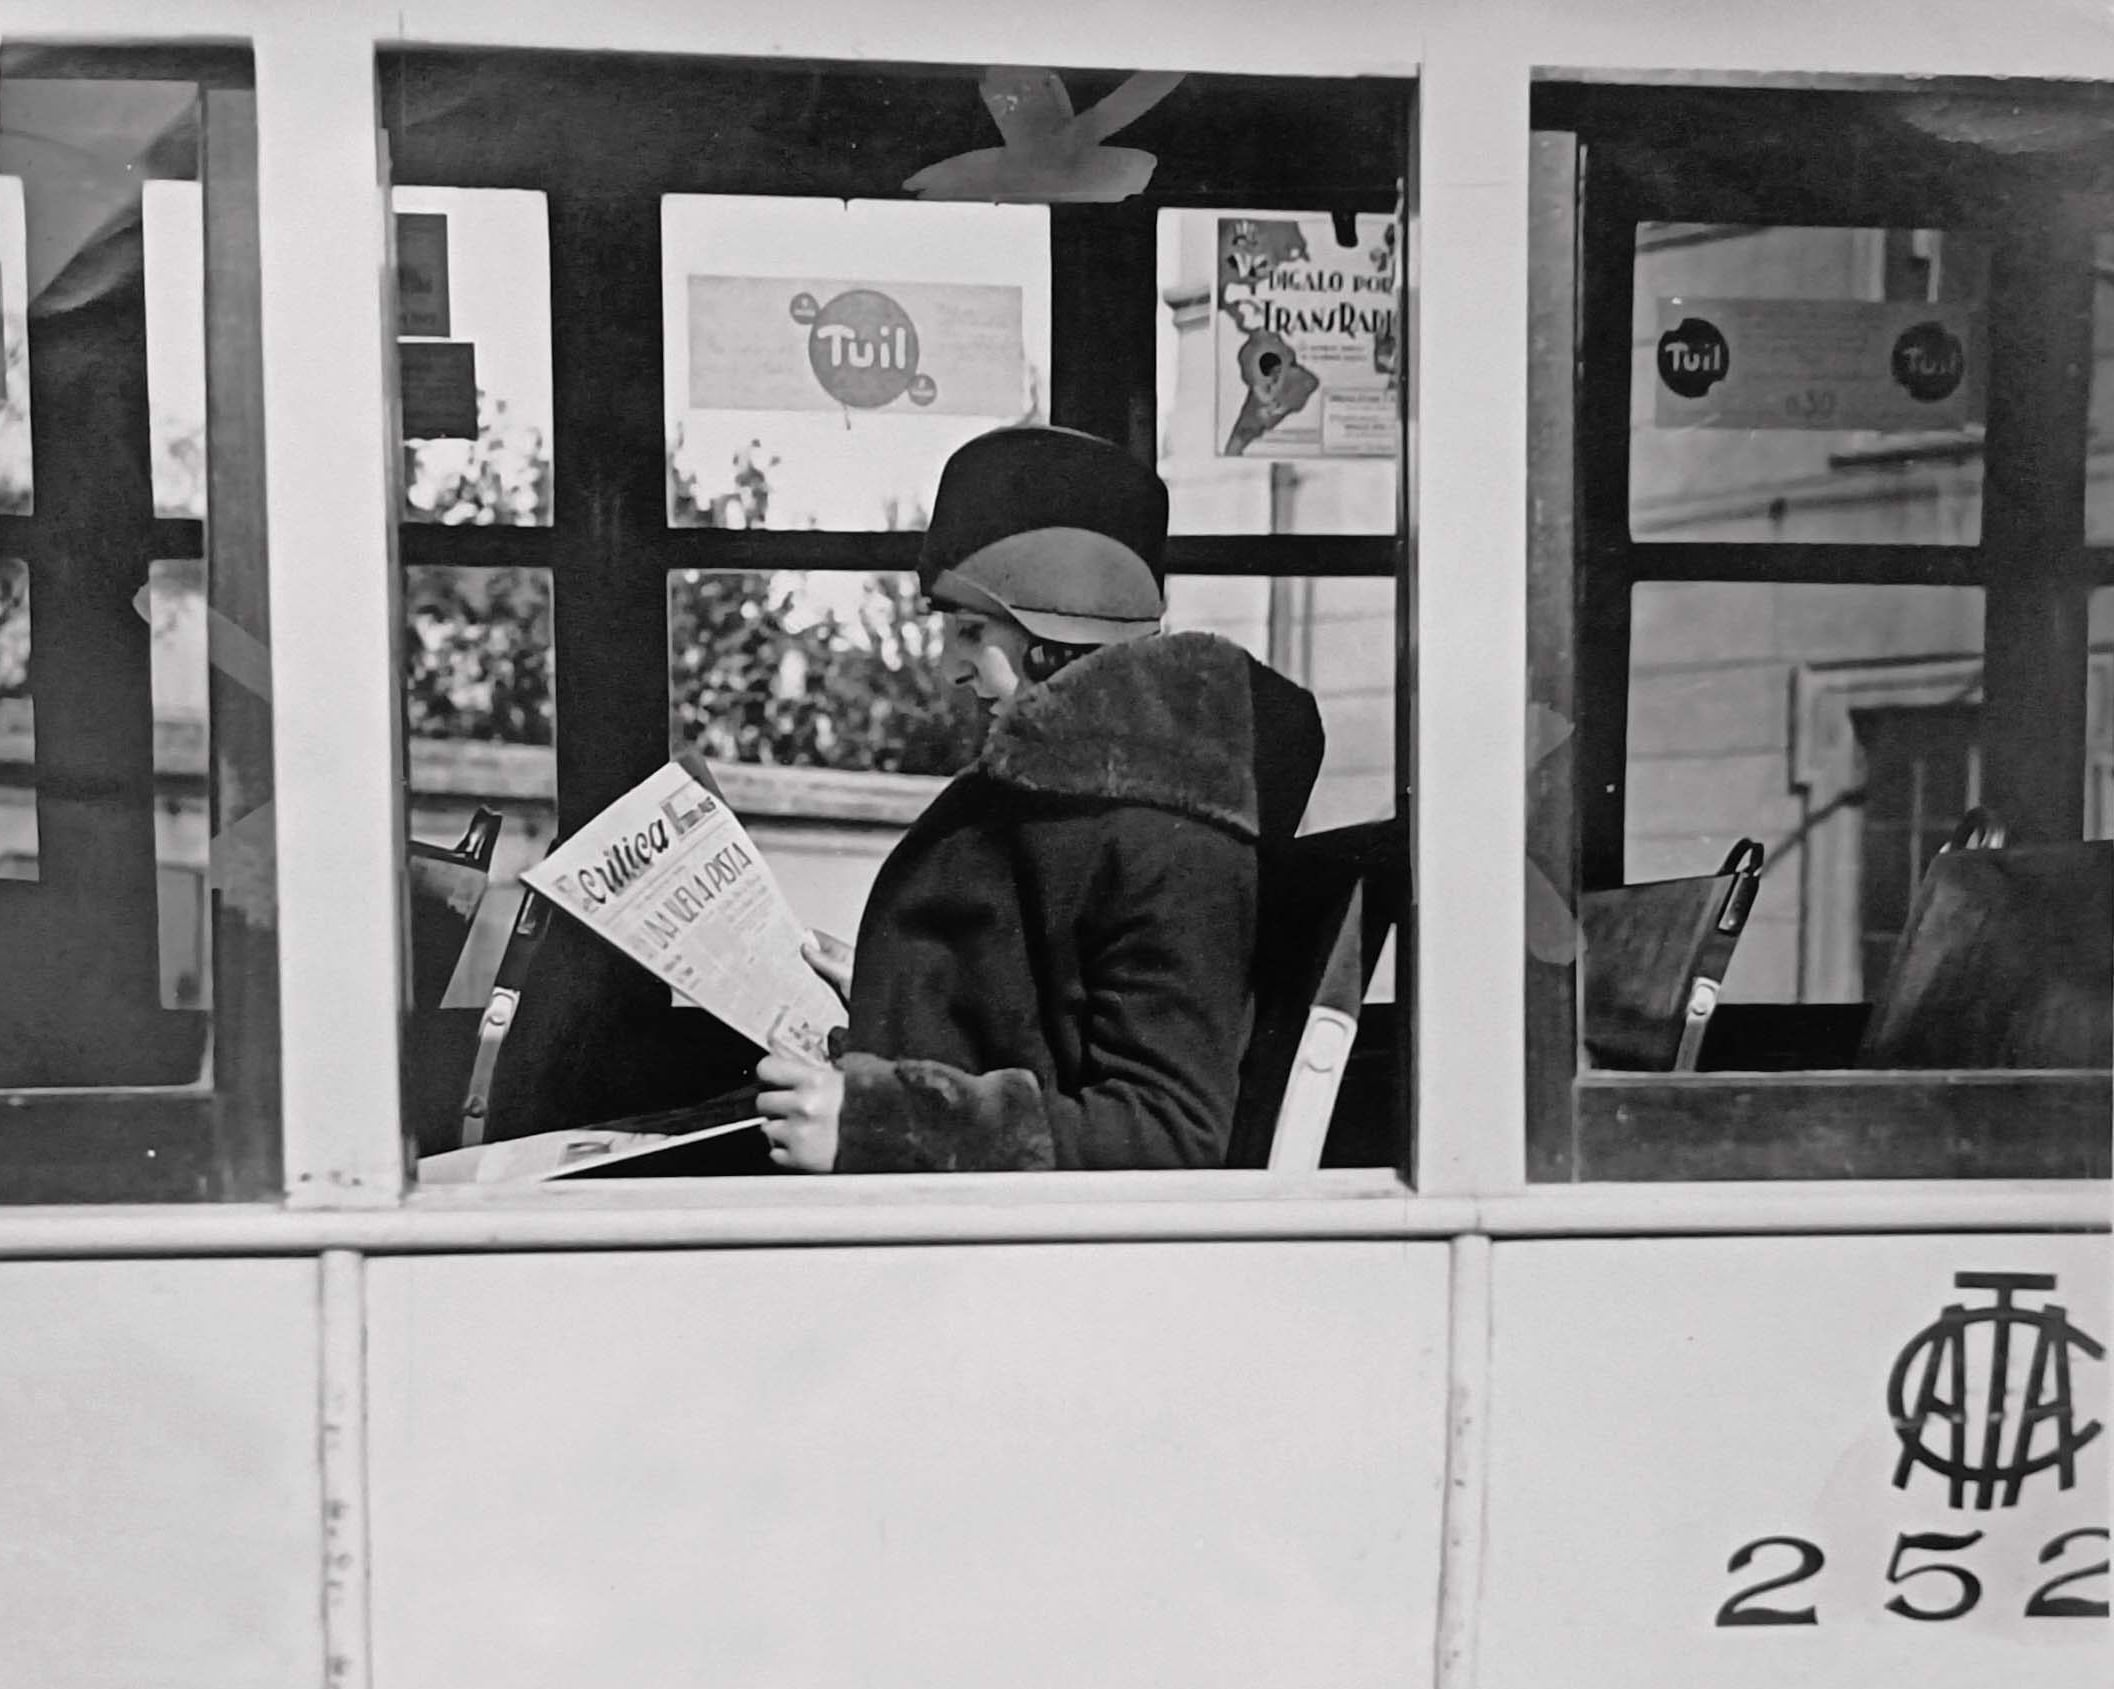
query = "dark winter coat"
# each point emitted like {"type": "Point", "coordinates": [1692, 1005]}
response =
{"type": "Point", "coordinates": [1053, 969]}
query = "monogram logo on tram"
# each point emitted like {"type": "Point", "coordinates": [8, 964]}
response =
{"type": "Point", "coordinates": [1984, 1396]}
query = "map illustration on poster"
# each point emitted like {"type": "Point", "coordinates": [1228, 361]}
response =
{"type": "Point", "coordinates": [1306, 338]}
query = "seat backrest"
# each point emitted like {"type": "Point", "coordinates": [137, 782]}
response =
{"type": "Point", "coordinates": [1655, 956]}
{"type": "Point", "coordinates": [531, 921]}
{"type": "Point", "coordinates": [1326, 904]}
{"type": "Point", "coordinates": [2006, 960]}
{"type": "Point", "coordinates": [447, 883]}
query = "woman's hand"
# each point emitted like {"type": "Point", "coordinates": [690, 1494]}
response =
{"type": "Point", "coordinates": [800, 1106]}
{"type": "Point", "coordinates": [831, 958]}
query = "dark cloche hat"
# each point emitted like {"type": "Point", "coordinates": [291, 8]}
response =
{"type": "Point", "coordinates": [1065, 533]}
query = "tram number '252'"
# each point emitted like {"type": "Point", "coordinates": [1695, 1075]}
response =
{"type": "Point", "coordinates": [1933, 1590]}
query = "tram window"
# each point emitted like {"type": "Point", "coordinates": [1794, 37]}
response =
{"type": "Point", "coordinates": [1758, 460]}
{"type": "Point", "coordinates": [1819, 722]}
{"type": "Point", "coordinates": [732, 568]}
{"type": "Point", "coordinates": [752, 409]}
{"type": "Point", "coordinates": [1328, 467]}
{"type": "Point", "coordinates": [137, 904]}
{"type": "Point", "coordinates": [473, 303]}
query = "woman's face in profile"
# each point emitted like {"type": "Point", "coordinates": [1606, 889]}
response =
{"type": "Point", "coordinates": [986, 653]}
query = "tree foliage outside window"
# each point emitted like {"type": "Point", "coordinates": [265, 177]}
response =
{"type": "Point", "coordinates": [786, 668]}
{"type": "Point", "coordinates": [813, 671]}
{"type": "Point", "coordinates": [501, 478]}
{"type": "Point", "coordinates": [477, 656]}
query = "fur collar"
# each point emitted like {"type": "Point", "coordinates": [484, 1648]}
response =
{"type": "Point", "coordinates": [1167, 721]}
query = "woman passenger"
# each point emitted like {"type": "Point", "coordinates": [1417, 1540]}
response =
{"type": "Point", "coordinates": [1053, 967]}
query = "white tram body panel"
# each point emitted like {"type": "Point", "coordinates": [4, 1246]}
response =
{"type": "Point", "coordinates": [1136, 1464]}
{"type": "Point", "coordinates": [164, 1509]}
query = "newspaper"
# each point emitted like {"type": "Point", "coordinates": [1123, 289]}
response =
{"type": "Point", "coordinates": [550, 1157]}
{"type": "Point", "coordinates": [670, 877]}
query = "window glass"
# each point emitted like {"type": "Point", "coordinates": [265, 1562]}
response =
{"type": "Point", "coordinates": [839, 351]}
{"type": "Point", "coordinates": [822, 353]}
{"type": "Point", "coordinates": [796, 674]}
{"type": "Point", "coordinates": [175, 608]}
{"type": "Point", "coordinates": [1833, 725]}
{"type": "Point", "coordinates": [836, 670]}
{"type": "Point", "coordinates": [1336, 637]}
{"type": "Point", "coordinates": [1808, 433]}
{"type": "Point", "coordinates": [137, 850]}
{"type": "Point", "coordinates": [1233, 463]}
{"type": "Point", "coordinates": [813, 669]}
{"type": "Point", "coordinates": [2099, 466]}
{"type": "Point", "coordinates": [479, 705]}
{"type": "Point", "coordinates": [819, 699]}
{"type": "Point", "coordinates": [473, 299]}
{"type": "Point", "coordinates": [1810, 891]}
{"type": "Point", "coordinates": [2099, 718]}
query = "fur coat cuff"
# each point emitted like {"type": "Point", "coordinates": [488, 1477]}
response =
{"type": "Point", "coordinates": [926, 1117]}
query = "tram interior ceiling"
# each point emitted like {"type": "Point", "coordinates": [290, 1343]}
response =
{"type": "Point", "coordinates": [1820, 544]}
{"type": "Point", "coordinates": [682, 556]}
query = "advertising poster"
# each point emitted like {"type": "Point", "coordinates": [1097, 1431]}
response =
{"type": "Point", "coordinates": [785, 344]}
{"type": "Point", "coordinates": [422, 275]}
{"type": "Point", "coordinates": [1306, 338]}
{"type": "Point", "coordinates": [1814, 363]}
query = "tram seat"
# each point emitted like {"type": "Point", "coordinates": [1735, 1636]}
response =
{"type": "Point", "coordinates": [1328, 901]}
{"type": "Point", "coordinates": [2006, 959]}
{"type": "Point", "coordinates": [447, 883]}
{"type": "Point", "coordinates": [1655, 957]}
